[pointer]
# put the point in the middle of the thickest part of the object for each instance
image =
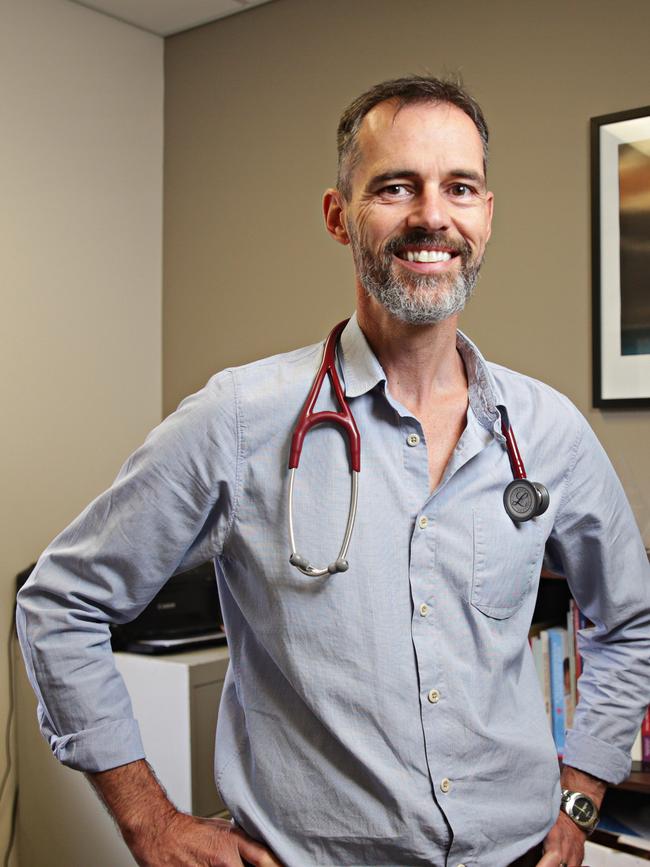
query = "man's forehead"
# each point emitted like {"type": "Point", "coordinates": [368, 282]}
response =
{"type": "Point", "coordinates": [390, 126]}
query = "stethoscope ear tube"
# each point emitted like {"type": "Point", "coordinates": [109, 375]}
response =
{"type": "Point", "coordinates": [341, 563]}
{"type": "Point", "coordinates": [307, 419]}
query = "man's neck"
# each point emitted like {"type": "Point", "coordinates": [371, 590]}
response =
{"type": "Point", "coordinates": [422, 365]}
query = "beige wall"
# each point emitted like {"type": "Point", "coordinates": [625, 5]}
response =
{"type": "Point", "coordinates": [252, 104]}
{"type": "Point", "coordinates": [81, 99]}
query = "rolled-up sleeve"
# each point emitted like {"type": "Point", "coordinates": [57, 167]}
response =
{"type": "Point", "coordinates": [596, 543]}
{"type": "Point", "coordinates": [169, 509]}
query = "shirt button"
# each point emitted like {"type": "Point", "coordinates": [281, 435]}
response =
{"type": "Point", "coordinates": [434, 697]}
{"type": "Point", "coordinates": [423, 523]}
{"type": "Point", "coordinates": [412, 439]}
{"type": "Point", "coordinates": [424, 609]}
{"type": "Point", "coordinates": [445, 785]}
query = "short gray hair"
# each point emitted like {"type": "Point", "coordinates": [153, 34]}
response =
{"type": "Point", "coordinates": [404, 91]}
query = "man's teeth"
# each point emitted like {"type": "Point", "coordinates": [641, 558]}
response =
{"type": "Point", "coordinates": [427, 256]}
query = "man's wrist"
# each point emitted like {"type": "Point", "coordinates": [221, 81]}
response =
{"type": "Point", "coordinates": [579, 781]}
{"type": "Point", "coordinates": [582, 796]}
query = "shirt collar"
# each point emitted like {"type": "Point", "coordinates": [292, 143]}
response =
{"type": "Point", "coordinates": [483, 391]}
{"type": "Point", "coordinates": [362, 372]}
{"type": "Point", "coordinates": [360, 366]}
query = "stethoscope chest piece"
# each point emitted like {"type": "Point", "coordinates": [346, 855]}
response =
{"type": "Point", "coordinates": [524, 500]}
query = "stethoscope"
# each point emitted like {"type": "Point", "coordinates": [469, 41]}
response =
{"type": "Point", "coordinates": [522, 498]}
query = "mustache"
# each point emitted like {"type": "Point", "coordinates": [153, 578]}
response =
{"type": "Point", "coordinates": [428, 239]}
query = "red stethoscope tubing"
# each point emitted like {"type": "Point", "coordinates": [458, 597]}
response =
{"type": "Point", "coordinates": [309, 419]}
{"type": "Point", "coordinates": [522, 502]}
{"type": "Point", "coordinates": [306, 421]}
{"type": "Point", "coordinates": [516, 462]}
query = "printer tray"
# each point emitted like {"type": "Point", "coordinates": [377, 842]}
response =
{"type": "Point", "coordinates": [175, 645]}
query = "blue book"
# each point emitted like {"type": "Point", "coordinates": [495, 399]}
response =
{"type": "Point", "coordinates": [558, 662]}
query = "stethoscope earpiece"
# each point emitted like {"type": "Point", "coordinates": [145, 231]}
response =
{"type": "Point", "coordinates": [524, 500]}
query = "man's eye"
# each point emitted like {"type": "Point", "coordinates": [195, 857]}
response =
{"type": "Point", "coordinates": [394, 191]}
{"type": "Point", "coordinates": [462, 191]}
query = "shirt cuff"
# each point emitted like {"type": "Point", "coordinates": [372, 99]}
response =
{"type": "Point", "coordinates": [596, 757]}
{"type": "Point", "coordinates": [101, 748]}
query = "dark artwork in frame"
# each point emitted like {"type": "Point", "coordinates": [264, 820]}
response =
{"type": "Point", "coordinates": [620, 154]}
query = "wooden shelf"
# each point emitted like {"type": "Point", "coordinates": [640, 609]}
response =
{"type": "Point", "coordinates": [638, 781]}
{"type": "Point", "coordinates": [546, 573]}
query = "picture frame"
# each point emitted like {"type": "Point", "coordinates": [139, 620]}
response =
{"type": "Point", "coordinates": [620, 185]}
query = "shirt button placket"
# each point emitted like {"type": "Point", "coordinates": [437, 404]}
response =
{"type": "Point", "coordinates": [423, 542]}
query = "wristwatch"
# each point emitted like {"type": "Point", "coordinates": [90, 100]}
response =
{"type": "Point", "coordinates": [581, 809]}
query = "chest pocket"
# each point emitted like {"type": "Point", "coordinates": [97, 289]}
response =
{"type": "Point", "coordinates": [507, 557]}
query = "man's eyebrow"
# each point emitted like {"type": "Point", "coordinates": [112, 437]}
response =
{"type": "Point", "coordinates": [392, 175]}
{"type": "Point", "coordinates": [469, 175]}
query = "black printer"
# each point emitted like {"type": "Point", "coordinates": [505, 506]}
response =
{"type": "Point", "coordinates": [184, 615]}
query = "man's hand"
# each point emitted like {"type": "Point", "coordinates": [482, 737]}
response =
{"type": "Point", "coordinates": [158, 835]}
{"type": "Point", "coordinates": [187, 841]}
{"type": "Point", "coordinates": [565, 842]}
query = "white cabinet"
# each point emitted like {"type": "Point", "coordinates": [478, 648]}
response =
{"type": "Point", "coordinates": [61, 823]}
{"type": "Point", "coordinates": [175, 700]}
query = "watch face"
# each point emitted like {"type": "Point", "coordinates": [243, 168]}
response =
{"type": "Point", "coordinates": [583, 810]}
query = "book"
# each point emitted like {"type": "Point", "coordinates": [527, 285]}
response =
{"type": "Point", "coordinates": [636, 753]}
{"type": "Point", "coordinates": [560, 687]}
{"type": "Point", "coordinates": [645, 737]}
{"type": "Point", "coordinates": [572, 655]}
{"type": "Point", "coordinates": [539, 646]}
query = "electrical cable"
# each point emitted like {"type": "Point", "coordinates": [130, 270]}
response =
{"type": "Point", "coordinates": [12, 833]}
{"type": "Point", "coordinates": [8, 752]}
{"type": "Point", "coordinates": [10, 714]}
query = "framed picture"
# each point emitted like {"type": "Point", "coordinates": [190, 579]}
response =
{"type": "Point", "coordinates": [620, 172]}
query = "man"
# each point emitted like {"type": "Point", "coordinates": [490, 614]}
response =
{"type": "Point", "coordinates": [388, 714]}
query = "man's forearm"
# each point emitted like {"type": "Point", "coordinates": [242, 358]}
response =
{"type": "Point", "coordinates": [157, 833]}
{"type": "Point", "coordinates": [135, 799]}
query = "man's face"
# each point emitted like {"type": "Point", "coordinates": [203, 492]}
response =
{"type": "Point", "coordinates": [419, 215]}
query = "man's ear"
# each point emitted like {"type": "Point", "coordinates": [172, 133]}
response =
{"type": "Point", "coordinates": [490, 214]}
{"type": "Point", "coordinates": [334, 213]}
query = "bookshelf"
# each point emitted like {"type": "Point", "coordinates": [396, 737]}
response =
{"type": "Point", "coordinates": [552, 603]}
{"type": "Point", "coordinates": [551, 606]}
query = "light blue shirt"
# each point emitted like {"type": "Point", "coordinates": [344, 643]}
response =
{"type": "Point", "coordinates": [390, 714]}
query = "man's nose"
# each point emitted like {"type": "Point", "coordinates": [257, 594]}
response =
{"type": "Point", "coordinates": [430, 211]}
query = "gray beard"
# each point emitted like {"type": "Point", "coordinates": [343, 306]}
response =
{"type": "Point", "coordinates": [417, 299]}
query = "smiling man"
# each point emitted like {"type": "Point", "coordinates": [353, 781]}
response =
{"type": "Point", "coordinates": [419, 197]}
{"type": "Point", "coordinates": [387, 712]}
